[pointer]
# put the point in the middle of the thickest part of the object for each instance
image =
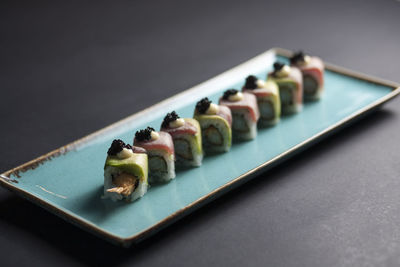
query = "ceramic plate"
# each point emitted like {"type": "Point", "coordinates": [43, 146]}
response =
{"type": "Point", "coordinates": [69, 180]}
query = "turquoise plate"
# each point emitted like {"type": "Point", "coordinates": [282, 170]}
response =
{"type": "Point", "coordinates": [69, 180]}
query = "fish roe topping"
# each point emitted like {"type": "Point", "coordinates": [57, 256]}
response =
{"type": "Point", "coordinates": [228, 93]}
{"type": "Point", "coordinates": [117, 146]}
{"type": "Point", "coordinates": [203, 105]}
{"type": "Point", "coordinates": [278, 66]}
{"type": "Point", "coordinates": [170, 117]}
{"type": "Point", "coordinates": [232, 95]}
{"type": "Point", "coordinates": [251, 82]}
{"type": "Point", "coordinates": [299, 58]}
{"type": "Point", "coordinates": [144, 135]}
{"type": "Point", "coordinates": [281, 70]}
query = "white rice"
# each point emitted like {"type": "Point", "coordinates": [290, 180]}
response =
{"type": "Point", "coordinates": [293, 109]}
{"type": "Point", "coordinates": [221, 127]}
{"type": "Point", "coordinates": [156, 176]}
{"type": "Point", "coordinates": [266, 108]}
{"type": "Point", "coordinates": [195, 162]}
{"type": "Point", "coordinates": [197, 156]}
{"type": "Point", "coordinates": [137, 193]}
{"type": "Point", "coordinates": [243, 127]}
{"type": "Point", "coordinates": [286, 96]}
{"type": "Point", "coordinates": [266, 123]}
{"type": "Point", "coordinates": [310, 82]}
{"type": "Point", "coordinates": [315, 96]}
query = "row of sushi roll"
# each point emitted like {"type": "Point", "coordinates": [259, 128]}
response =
{"type": "Point", "coordinates": [129, 169]}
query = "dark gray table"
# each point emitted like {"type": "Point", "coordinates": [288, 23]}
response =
{"type": "Point", "coordinates": [67, 70]}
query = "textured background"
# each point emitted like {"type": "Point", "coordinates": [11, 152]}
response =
{"type": "Point", "coordinates": [67, 70]}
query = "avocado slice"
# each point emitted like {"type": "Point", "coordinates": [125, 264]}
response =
{"type": "Point", "coordinates": [136, 165]}
{"type": "Point", "coordinates": [197, 137]}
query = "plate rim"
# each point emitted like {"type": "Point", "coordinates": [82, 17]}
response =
{"type": "Point", "coordinates": [137, 237]}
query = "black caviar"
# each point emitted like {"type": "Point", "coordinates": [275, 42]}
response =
{"type": "Point", "coordinates": [251, 82]}
{"type": "Point", "coordinates": [169, 118]}
{"type": "Point", "coordinates": [144, 135]}
{"type": "Point", "coordinates": [278, 66]}
{"type": "Point", "coordinates": [203, 105]}
{"type": "Point", "coordinates": [229, 92]}
{"type": "Point", "coordinates": [117, 146]}
{"type": "Point", "coordinates": [297, 57]}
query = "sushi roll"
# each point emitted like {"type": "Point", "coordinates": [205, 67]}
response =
{"type": "Point", "coordinates": [244, 111]}
{"type": "Point", "coordinates": [215, 123]}
{"type": "Point", "coordinates": [269, 103]}
{"type": "Point", "coordinates": [312, 69]}
{"type": "Point", "coordinates": [186, 135]}
{"type": "Point", "coordinates": [160, 150]}
{"type": "Point", "coordinates": [290, 83]}
{"type": "Point", "coordinates": [125, 172]}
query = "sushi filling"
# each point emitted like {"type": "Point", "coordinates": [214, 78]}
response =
{"type": "Point", "coordinates": [120, 185]}
{"type": "Point", "coordinates": [157, 164]}
{"type": "Point", "coordinates": [212, 136]}
{"type": "Point", "coordinates": [162, 167]}
{"type": "Point", "coordinates": [286, 92]}
{"type": "Point", "coordinates": [124, 184]}
{"type": "Point", "coordinates": [187, 150]}
{"type": "Point", "coordinates": [310, 85]}
{"type": "Point", "coordinates": [266, 109]}
{"type": "Point", "coordinates": [182, 149]}
{"type": "Point", "coordinates": [240, 122]}
{"type": "Point", "coordinates": [243, 126]}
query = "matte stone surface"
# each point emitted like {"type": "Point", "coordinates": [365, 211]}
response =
{"type": "Point", "coordinates": [68, 69]}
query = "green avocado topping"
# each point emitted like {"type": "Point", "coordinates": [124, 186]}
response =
{"type": "Point", "coordinates": [135, 165]}
{"type": "Point", "coordinates": [197, 137]}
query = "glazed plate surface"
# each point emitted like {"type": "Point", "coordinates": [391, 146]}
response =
{"type": "Point", "coordinates": [69, 181]}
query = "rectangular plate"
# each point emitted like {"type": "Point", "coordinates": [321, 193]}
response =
{"type": "Point", "coordinates": [69, 180]}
